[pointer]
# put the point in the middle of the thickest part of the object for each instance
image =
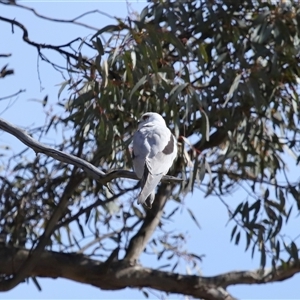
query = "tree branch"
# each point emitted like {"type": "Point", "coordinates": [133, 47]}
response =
{"type": "Point", "coordinates": [91, 170]}
{"type": "Point", "coordinates": [43, 46]}
{"type": "Point", "coordinates": [118, 275]}
{"type": "Point", "coordinates": [28, 265]}
{"type": "Point", "coordinates": [13, 95]}
{"type": "Point", "coordinates": [73, 21]}
{"type": "Point", "coordinates": [139, 241]}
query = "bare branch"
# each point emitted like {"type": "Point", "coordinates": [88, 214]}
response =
{"type": "Point", "coordinates": [73, 21]}
{"type": "Point", "coordinates": [91, 170]}
{"type": "Point", "coordinates": [13, 95]}
{"type": "Point", "coordinates": [44, 46]}
{"type": "Point", "coordinates": [87, 209]}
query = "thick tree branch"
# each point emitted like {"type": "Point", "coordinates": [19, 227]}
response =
{"type": "Point", "coordinates": [118, 275]}
{"type": "Point", "coordinates": [91, 170]}
{"type": "Point", "coordinates": [121, 275]}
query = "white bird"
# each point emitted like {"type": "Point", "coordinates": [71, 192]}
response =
{"type": "Point", "coordinates": [154, 150]}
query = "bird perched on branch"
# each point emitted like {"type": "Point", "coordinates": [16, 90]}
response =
{"type": "Point", "coordinates": [154, 150]}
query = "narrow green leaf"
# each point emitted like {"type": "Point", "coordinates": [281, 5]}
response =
{"type": "Point", "coordinates": [137, 212]}
{"type": "Point", "coordinates": [172, 212]}
{"type": "Point", "coordinates": [80, 228]}
{"type": "Point", "coordinates": [233, 232]}
{"type": "Point", "coordinates": [237, 210]}
{"type": "Point", "coordinates": [108, 28]}
{"type": "Point", "coordinates": [202, 171]}
{"type": "Point", "coordinates": [177, 89]}
{"type": "Point", "coordinates": [36, 283]}
{"type": "Point", "coordinates": [145, 294]}
{"type": "Point", "coordinates": [203, 52]}
{"type": "Point", "coordinates": [45, 101]}
{"type": "Point", "coordinates": [233, 88]}
{"type": "Point", "coordinates": [174, 40]}
{"type": "Point", "coordinates": [207, 126]}
{"type": "Point", "coordinates": [105, 68]}
{"type": "Point", "coordinates": [138, 85]}
{"type": "Point", "coordinates": [200, 258]}
{"type": "Point", "coordinates": [277, 250]}
{"type": "Point", "coordinates": [294, 251]}
{"type": "Point", "coordinates": [237, 238]}
{"type": "Point", "coordinates": [98, 63]}
{"type": "Point", "coordinates": [194, 218]}
{"type": "Point", "coordinates": [263, 257]}
{"type": "Point", "coordinates": [87, 216]}
{"type": "Point", "coordinates": [98, 45]}
{"type": "Point", "coordinates": [248, 240]}
{"type": "Point", "coordinates": [133, 58]}
{"type": "Point", "coordinates": [116, 52]}
{"type": "Point", "coordinates": [208, 169]}
{"type": "Point", "coordinates": [144, 13]}
{"type": "Point", "coordinates": [175, 266]}
{"type": "Point", "coordinates": [163, 266]}
{"type": "Point", "coordinates": [63, 85]}
{"type": "Point", "coordinates": [267, 194]}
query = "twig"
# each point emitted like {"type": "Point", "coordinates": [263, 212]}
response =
{"type": "Point", "coordinates": [73, 21]}
{"type": "Point", "coordinates": [44, 46]}
{"type": "Point", "coordinates": [13, 95]}
{"type": "Point", "coordinates": [5, 55]}
{"type": "Point", "coordinates": [87, 209]}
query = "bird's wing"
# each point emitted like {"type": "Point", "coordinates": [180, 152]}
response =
{"type": "Point", "coordinates": [140, 151]}
{"type": "Point", "coordinates": [163, 152]}
{"type": "Point", "coordinates": [154, 151]}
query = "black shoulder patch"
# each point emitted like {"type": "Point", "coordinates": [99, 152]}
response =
{"type": "Point", "coordinates": [170, 146]}
{"type": "Point", "coordinates": [133, 156]}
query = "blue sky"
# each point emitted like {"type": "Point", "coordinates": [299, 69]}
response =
{"type": "Point", "coordinates": [213, 238]}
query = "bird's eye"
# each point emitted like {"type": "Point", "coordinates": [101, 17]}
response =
{"type": "Point", "coordinates": [145, 118]}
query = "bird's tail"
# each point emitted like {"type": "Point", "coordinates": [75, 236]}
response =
{"type": "Point", "coordinates": [148, 201]}
{"type": "Point", "coordinates": [148, 185]}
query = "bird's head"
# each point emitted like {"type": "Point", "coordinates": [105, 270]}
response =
{"type": "Point", "coordinates": [151, 117]}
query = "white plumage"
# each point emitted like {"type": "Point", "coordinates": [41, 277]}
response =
{"type": "Point", "coordinates": [154, 150]}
